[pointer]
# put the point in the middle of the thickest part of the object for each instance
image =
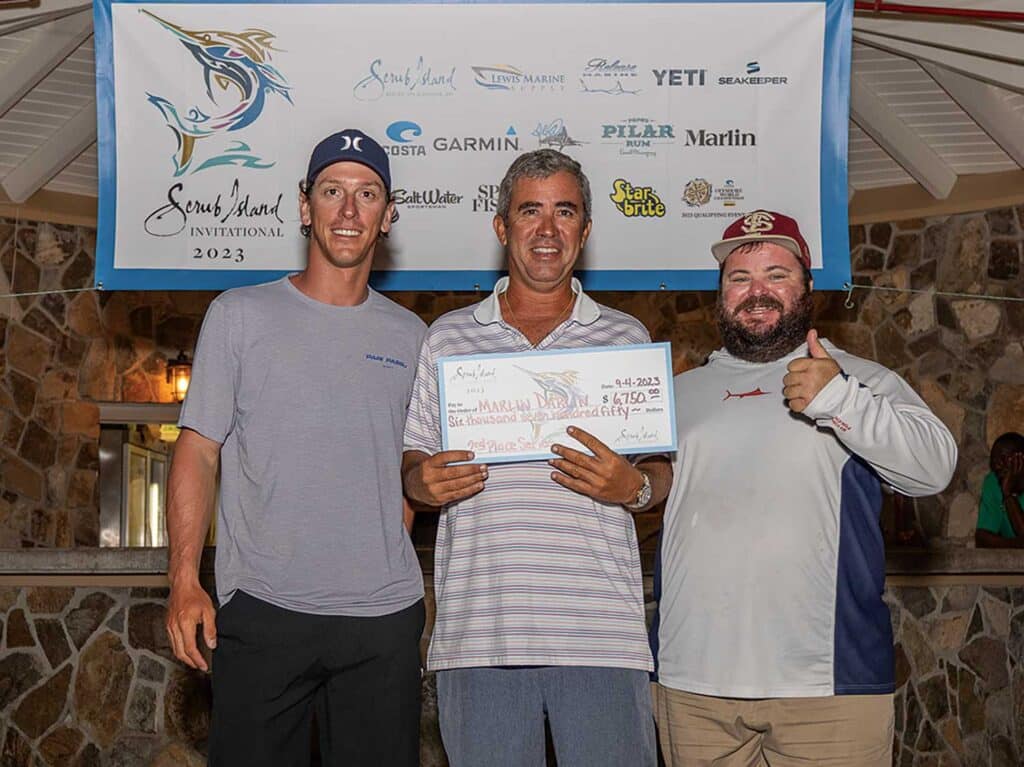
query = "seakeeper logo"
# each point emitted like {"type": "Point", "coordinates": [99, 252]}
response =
{"type": "Point", "coordinates": [636, 201]}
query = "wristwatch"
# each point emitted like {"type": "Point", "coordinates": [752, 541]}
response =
{"type": "Point", "coordinates": [643, 495]}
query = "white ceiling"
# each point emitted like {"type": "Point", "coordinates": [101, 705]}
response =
{"type": "Point", "coordinates": [931, 99]}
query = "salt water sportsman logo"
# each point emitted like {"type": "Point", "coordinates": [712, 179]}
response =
{"type": "Point", "coordinates": [612, 77]}
{"type": "Point", "coordinates": [426, 198]}
{"type": "Point", "coordinates": [393, 79]}
{"type": "Point", "coordinates": [555, 135]}
{"type": "Point", "coordinates": [636, 201]}
{"type": "Point", "coordinates": [507, 78]}
{"type": "Point", "coordinates": [231, 61]}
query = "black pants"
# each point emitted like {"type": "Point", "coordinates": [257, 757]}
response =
{"type": "Point", "coordinates": [273, 667]}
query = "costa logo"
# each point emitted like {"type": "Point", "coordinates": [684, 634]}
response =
{"type": "Point", "coordinates": [401, 130]}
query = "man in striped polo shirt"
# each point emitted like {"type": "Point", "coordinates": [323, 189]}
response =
{"type": "Point", "coordinates": [537, 573]}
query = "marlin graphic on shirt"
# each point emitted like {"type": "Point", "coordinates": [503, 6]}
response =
{"type": "Point", "coordinates": [754, 393]}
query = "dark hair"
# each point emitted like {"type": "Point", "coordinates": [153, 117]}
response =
{"type": "Point", "coordinates": [1004, 445]}
{"type": "Point", "coordinates": [304, 189]}
{"type": "Point", "coordinates": [542, 163]}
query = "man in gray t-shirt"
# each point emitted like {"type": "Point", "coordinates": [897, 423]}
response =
{"type": "Point", "coordinates": [299, 395]}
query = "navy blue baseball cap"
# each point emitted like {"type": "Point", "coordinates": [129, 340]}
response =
{"type": "Point", "coordinates": [350, 145]}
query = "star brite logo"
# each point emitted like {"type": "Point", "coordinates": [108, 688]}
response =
{"type": "Point", "coordinates": [636, 201]}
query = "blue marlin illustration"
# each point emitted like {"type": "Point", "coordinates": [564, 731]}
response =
{"type": "Point", "coordinates": [228, 59]}
{"type": "Point", "coordinates": [558, 387]}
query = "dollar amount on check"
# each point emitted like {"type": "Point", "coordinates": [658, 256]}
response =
{"type": "Point", "coordinates": [513, 407]}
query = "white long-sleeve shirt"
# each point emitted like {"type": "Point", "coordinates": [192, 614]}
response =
{"type": "Point", "coordinates": [772, 566]}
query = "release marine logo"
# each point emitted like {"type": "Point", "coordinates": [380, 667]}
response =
{"type": "Point", "coordinates": [636, 201]}
{"type": "Point", "coordinates": [235, 61]}
{"type": "Point", "coordinates": [609, 76]}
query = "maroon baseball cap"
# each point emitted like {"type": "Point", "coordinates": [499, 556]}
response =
{"type": "Point", "coordinates": [763, 226]}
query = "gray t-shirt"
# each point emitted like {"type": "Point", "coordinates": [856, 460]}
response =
{"type": "Point", "coordinates": [309, 402]}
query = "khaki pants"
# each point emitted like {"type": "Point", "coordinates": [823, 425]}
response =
{"type": "Point", "coordinates": [837, 731]}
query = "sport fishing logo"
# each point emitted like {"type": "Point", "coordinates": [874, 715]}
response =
{"type": "Point", "coordinates": [229, 59]}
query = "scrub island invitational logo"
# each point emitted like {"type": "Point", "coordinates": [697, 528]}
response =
{"type": "Point", "coordinates": [230, 62]}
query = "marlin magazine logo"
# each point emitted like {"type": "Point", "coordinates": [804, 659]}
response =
{"type": "Point", "coordinates": [230, 62]}
{"type": "Point", "coordinates": [235, 65]}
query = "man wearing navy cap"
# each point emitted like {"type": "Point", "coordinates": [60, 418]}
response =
{"type": "Point", "coordinates": [774, 646]}
{"type": "Point", "coordinates": [299, 394]}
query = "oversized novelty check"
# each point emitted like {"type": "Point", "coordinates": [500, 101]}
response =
{"type": "Point", "coordinates": [513, 407]}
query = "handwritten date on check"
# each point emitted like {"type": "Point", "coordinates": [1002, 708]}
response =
{"type": "Point", "coordinates": [513, 407]}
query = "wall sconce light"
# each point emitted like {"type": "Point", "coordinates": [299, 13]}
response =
{"type": "Point", "coordinates": [179, 374]}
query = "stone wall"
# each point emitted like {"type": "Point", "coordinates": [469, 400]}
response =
{"type": "Point", "coordinates": [87, 679]}
{"type": "Point", "coordinates": [62, 352]}
{"type": "Point", "coordinates": [960, 682]}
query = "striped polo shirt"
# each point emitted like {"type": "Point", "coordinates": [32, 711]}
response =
{"type": "Point", "coordinates": [527, 572]}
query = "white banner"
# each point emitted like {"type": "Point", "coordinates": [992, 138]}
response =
{"type": "Point", "coordinates": [683, 115]}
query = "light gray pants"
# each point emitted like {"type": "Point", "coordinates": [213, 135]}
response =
{"type": "Point", "coordinates": [599, 717]}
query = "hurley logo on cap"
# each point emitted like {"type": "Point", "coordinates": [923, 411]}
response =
{"type": "Point", "coordinates": [350, 143]}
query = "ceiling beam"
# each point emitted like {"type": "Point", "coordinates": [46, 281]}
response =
{"type": "Point", "coordinates": [53, 208]}
{"type": "Point", "coordinates": [987, 105]}
{"type": "Point", "coordinates": [982, 191]}
{"type": "Point", "coordinates": [906, 147]}
{"type": "Point", "coordinates": [1005, 73]}
{"type": "Point", "coordinates": [38, 12]}
{"type": "Point", "coordinates": [52, 43]}
{"type": "Point", "coordinates": [49, 159]}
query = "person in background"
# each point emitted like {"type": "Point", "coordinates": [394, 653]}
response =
{"type": "Point", "coordinates": [1000, 521]}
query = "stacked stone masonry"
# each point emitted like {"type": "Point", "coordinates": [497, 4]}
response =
{"type": "Point", "coordinates": [87, 679]}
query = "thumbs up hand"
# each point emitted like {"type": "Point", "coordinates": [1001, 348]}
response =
{"type": "Point", "coordinates": [808, 375]}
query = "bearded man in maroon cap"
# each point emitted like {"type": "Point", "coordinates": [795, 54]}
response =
{"type": "Point", "coordinates": [773, 643]}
